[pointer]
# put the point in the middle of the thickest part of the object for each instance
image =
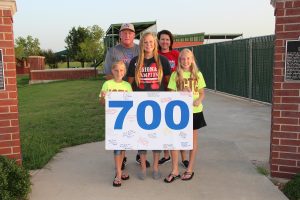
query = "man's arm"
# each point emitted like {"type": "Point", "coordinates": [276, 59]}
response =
{"type": "Point", "coordinates": [107, 64]}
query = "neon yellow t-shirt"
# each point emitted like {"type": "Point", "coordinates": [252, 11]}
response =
{"type": "Point", "coordinates": [112, 85]}
{"type": "Point", "coordinates": [193, 84]}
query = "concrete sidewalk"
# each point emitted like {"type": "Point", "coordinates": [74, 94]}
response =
{"type": "Point", "coordinates": [238, 133]}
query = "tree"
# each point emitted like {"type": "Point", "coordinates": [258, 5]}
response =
{"type": "Point", "coordinates": [28, 46]}
{"type": "Point", "coordinates": [50, 58]}
{"type": "Point", "coordinates": [92, 49]}
{"type": "Point", "coordinates": [75, 37]}
{"type": "Point", "coordinates": [85, 44]}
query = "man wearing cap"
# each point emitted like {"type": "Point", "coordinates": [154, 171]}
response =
{"type": "Point", "coordinates": [124, 51]}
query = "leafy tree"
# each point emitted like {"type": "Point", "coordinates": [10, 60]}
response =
{"type": "Point", "coordinates": [50, 58]}
{"type": "Point", "coordinates": [85, 44]}
{"type": "Point", "coordinates": [75, 37]}
{"type": "Point", "coordinates": [92, 49]}
{"type": "Point", "coordinates": [28, 46]}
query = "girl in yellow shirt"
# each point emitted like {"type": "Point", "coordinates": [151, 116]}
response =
{"type": "Point", "coordinates": [188, 78]}
{"type": "Point", "coordinates": [117, 84]}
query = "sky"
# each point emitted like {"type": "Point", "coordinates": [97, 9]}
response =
{"type": "Point", "coordinates": [50, 21]}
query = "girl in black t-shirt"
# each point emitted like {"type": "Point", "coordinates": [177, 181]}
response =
{"type": "Point", "coordinates": [147, 72]}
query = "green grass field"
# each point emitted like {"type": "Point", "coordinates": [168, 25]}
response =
{"type": "Point", "coordinates": [57, 115]}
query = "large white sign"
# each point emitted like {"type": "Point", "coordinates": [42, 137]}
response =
{"type": "Point", "coordinates": [149, 121]}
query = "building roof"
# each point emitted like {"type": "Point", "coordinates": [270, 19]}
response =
{"type": "Point", "coordinates": [199, 37]}
{"type": "Point", "coordinates": [112, 34]}
{"type": "Point", "coordinates": [138, 26]}
{"type": "Point", "coordinates": [223, 36]}
{"type": "Point", "coordinates": [195, 39]}
{"type": "Point", "coordinates": [62, 53]}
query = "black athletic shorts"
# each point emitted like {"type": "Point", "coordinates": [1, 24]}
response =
{"type": "Point", "coordinates": [198, 121]}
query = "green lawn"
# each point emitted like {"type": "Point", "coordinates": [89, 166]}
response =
{"type": "Point", "coordinates": [57, 115]}
{"type": "Point", "coordinates": [75, 64]}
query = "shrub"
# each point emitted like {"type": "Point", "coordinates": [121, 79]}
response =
{"type": "Point", "coordinates": [14, 180]}
{"type": "Point", "coordinates": [292, 188]}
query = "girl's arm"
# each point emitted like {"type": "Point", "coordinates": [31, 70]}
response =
{"type": "Point", "coordinates": [199, 100]}
{"type": "Point", "coordinates": [102, 98]}
{"type": "Point", "coordinates": [167, 78]}
{"type": "Point", "coordinates": [131, 70]}
{"type": "Point", "coordinates": [166, 82]}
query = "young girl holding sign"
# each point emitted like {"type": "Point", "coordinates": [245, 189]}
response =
{"type": "Point", "coordinates": [117, 84]}
{"type": "Point", "coordinates": [188, 78]}
{"type": "Point", "coordinates": [147, 72]}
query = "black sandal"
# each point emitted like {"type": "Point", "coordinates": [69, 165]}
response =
{"type": "Point", "coordinates": [173, 178]}
{"type": "Point", "coordinates": [117, 182]}
{"type": "Point", "coordinates": [125, 177]}
{"type": "Point", "coordinates": [189, 174]}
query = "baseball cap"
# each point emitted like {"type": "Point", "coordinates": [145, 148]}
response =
{"type": "Point", "coordinates": [127, 26]}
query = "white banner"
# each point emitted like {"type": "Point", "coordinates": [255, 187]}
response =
{"type": "Point", "coordinates": [149, 121]}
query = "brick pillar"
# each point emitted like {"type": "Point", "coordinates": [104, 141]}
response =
{"type": "Point", "coordinates": [9, 114]}
{"type": "Point", "coordinates": [36, 62]}
{"type": "Point", "coordinates": [285, 129]}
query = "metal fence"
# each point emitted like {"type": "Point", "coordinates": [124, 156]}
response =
{"type": "Point", "coordinates": [238, 67]}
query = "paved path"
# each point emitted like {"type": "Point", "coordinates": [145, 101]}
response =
{"type": "Point", "coordinates": [238, 133]}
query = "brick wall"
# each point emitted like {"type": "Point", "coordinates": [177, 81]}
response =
{"type": "Point", "coordinates": [285, 129]}
{"type": "Point", "coordinates": [9, 115]}
{"type": "Point", "coordinates": [22, 67]}
{"type": "Point", "coordinates": [37, 76]}
{"type": "Point", "coordinates": [36, 62]}
{"type": "Point", "coordinates": [23, 70]}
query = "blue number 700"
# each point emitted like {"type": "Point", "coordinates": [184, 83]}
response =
{"type": "Point", "coordinates": [126, 105]}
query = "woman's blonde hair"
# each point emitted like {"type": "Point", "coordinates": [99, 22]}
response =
{"type": "Point", "coordinates": [119, 63]}
{"type": "Point", "coordinates": [140, 60]}
{"type": "Point", "coordinates": [193, 69]}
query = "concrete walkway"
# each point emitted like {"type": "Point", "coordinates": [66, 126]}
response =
{"type": "Point", "coordinates": [237, 135]}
